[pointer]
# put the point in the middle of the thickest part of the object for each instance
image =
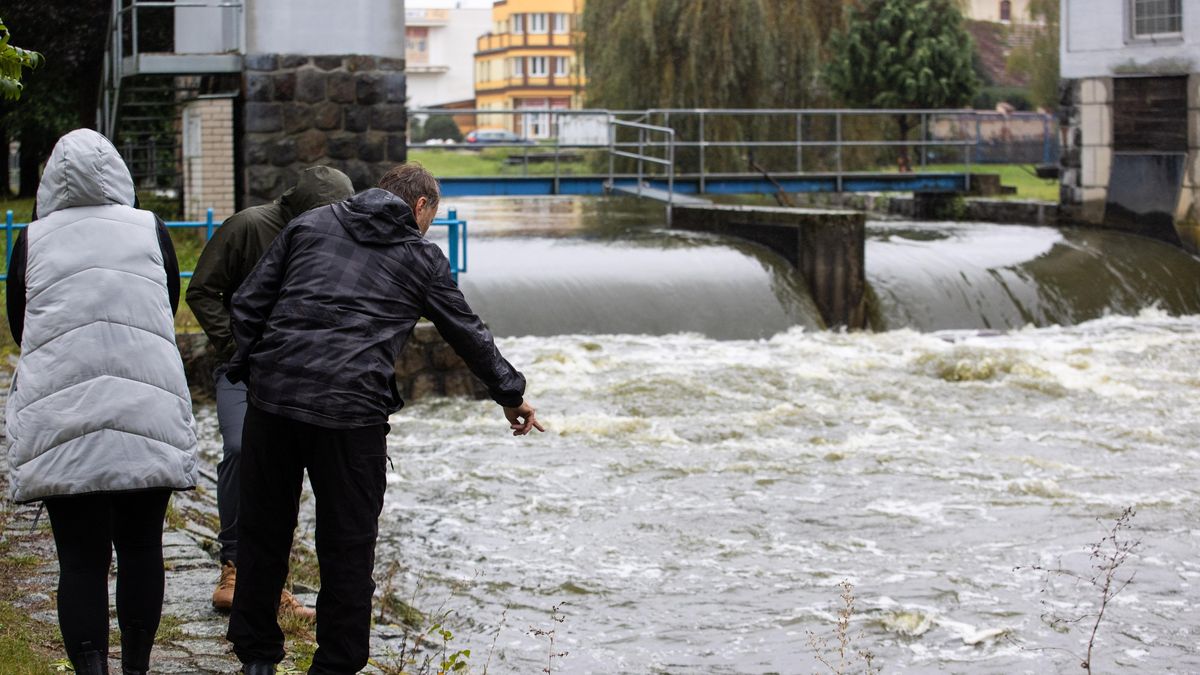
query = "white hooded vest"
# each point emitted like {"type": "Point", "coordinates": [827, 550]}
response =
{"type": "Point", "coordinates": [99, 402]}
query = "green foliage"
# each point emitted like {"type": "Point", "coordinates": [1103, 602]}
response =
{"type": "Point", "coordinates": [710, 54]}
{"type": "Point", "coordinates": [440, 127]}
{"type": "Point", "coordinates": [12, 60]}
{"type": "Point", "coordinates": [704, 54]}
{"type": "Point", "coordinates": [1039, 60]}
{"type": "Point", "coordinates": [903, 54]}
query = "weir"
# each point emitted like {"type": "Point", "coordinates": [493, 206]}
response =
{"type": "Point", "coordinates": [826, 247]}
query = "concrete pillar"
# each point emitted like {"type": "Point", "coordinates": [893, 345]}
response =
{"type": "Point", "coordinates": [208, 158]}
{"type": "Point", "coordinates": [1096, 125]}
{"type": "Point", "coordinates": [826, 247]}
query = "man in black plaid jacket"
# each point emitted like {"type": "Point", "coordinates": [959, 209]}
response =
{"type": "Point", "coordinates": [318, 326]}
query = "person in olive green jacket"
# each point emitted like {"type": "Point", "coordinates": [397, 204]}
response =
{"type": "Point", "coordinates": [227, 259]}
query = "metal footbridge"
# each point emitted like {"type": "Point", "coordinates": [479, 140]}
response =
{"type": "Point", "coordinates": [680, 156]}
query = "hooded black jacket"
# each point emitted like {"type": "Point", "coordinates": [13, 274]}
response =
{"type": "Point", "coordinates": [237, 245]}
{"type": "Point", "coordinates": [321, 319]}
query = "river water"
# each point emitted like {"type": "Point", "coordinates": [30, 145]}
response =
{"type": "Point", "coordinates": [705, 486]}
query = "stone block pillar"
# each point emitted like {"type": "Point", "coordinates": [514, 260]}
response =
{"type": "Point", "coordinates": [346, 112]}
{"type": "Point", "coordinates": [208, 158]}
{"type": "Point", "coordinates": [1096, 150]}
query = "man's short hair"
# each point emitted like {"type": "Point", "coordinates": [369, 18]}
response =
{"type": "Point", "coordinates": [411, 181]}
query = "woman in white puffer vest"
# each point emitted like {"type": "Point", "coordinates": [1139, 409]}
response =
{"type": "Point", "coordinates": [99, 418]}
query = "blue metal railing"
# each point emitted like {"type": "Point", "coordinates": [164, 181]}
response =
{"type": "Point", "coordinates": [456, 242]}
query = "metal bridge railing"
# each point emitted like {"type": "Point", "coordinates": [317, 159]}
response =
{"type": "Point", "coordinates": [456, 249]}
{"type": "Point", "coordinates": [641, 156]}
{"type": "Point", "coordinates": [835, 136]}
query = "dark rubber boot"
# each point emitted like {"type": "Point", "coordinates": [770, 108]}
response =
{"type": "Point", "coordinates": [136, 645]}
{"type": "Point", "coordinates": [258, 668]}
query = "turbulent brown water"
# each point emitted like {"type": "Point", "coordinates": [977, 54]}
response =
{"type": "Point", "coordinates": [697, 501]}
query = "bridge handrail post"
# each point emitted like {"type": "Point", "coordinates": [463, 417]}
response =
{"type": "Point", "coordinates": [924, 136]}
{"type": "Point", "coordinates": [670, 174]}
{"type": "Point", "coordinates": [641, 144]}
{"type": "Point", "coordinates": [452, 245]}
{"type": "Point", "coordinates": [612, 148]}
{"type": "Point", "coordinates": [208, 224]}
{"type": "Point", "coordinates": [8, 228]}
{"type": "Point", "coordinates": [799, 142]}
{"type": "Point", "coordinates": [702, 168]}
{"type": "Point", "coordinates": [554, 125]}
{"type": "Point", "coordinates": [838, 128]}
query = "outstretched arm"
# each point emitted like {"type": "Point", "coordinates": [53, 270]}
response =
{"type": "Point", "coordinates": [446, 307]}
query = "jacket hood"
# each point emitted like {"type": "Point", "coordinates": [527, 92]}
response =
{"type": "Point", "coordinates": [376, 216]}
{"type": "Point", "coordinates": [318, 186]}
{"type": "Point", "coordinates": [84, 170]}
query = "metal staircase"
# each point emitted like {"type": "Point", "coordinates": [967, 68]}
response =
{"type": "Point", "coordinates": [141, 91]}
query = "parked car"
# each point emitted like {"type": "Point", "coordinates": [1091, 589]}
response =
{"type": "Point", "coordinates": [496, 137]}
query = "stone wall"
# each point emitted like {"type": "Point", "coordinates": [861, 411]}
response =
{"type": "Point", "coordinates": [427, 367]}
{"type": "Point", "coordinates": [346, 112]}
{"type": "Point", "coordinates": [1187, 217]}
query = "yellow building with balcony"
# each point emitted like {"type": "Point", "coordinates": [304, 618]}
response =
{"type": "Point", "coordinates": [529, 61]}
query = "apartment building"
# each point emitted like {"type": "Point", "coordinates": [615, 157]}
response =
{"type": "Point", "coordinates": [440, 72]}
{"type": "Point", "coordinates": [528, 61]}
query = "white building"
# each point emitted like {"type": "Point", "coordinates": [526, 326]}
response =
{"type": "Point", "coordinates": [1131, 115]}
{"type": "Point", "coordinates": [440, 51]}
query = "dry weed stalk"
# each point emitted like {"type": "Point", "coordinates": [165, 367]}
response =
{"type": "Point", "coordinates": [555, 617]}
{"type": "Point", "coordinates": [1107, 557]}
{"type": "Point", "coordinates": [846, 649]}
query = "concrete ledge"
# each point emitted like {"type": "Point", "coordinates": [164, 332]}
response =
{"type": "Point", "coordinates": [827, 247]}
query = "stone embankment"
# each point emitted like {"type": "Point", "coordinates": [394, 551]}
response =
{"type": "Point", "coordinates": [427, 367]}
{"type": "Point", "coordinates": [191, 637]}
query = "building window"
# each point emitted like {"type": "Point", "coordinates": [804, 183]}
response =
{"type": "Point", "coordinates": [1006, 10]}
{"type": "Point", "coordinates": [560, 66]}
{"type": "Point", "coordinates": [1156, 18]}
{"type": "Point", "coordinates": [537, 23]}
{"type": "Point", "coordinates": [516, 67]}
{"type": "Point", "coordinates": [515, 24]}
{"type": "Point", "coordinates": [561, 23]}
{"type": "Point", "coordinates": [537, 66]}
{"type": "Point", "coordinates": [416, 45]}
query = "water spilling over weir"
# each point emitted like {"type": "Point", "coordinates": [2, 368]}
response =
{"type": "Point", "coordinates": [555, 267]}
{"type": "Point", "coordinates": [705, 485]}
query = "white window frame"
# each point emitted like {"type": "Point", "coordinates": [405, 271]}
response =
{"type": "Point", "coordinates": [538, 23]}
{"type": "Point", "coordinates": [538, 66]}
{"type": "Point", "coordinates": [562, 66]}
{"type": "Point", "coordinates": [561, 24]}
{"type": "Point", "coordinates": [516, 66]}
{"type": "Point", "coordinates": [515, 25]}
{"type": "Point", "coordinates": [1131, 9]}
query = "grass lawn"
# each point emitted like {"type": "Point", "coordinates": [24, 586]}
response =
{"type": "Point", "coordinates": [446, 163]}
{"type": "Point", "coordinates": [1020, 176]}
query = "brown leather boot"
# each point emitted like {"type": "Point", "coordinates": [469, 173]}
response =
{"type": "Point", "coordinates": [222, 598]}
{"type": "Point", "coordinates": [288, 604]}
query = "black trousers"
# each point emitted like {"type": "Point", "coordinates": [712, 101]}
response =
{"type": "Point", "coordinates": [346, 468]}
{"type": "Point", "coordinates": [86, 528]}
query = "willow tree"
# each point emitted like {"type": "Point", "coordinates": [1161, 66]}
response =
{"type": "Point", "coordinates": [903, 54]}
{"type": "Point", "coordinates": [713, 54]}
{"type": "Point", "coordinates": [1039, 60]}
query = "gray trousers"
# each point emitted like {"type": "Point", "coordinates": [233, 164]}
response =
{"type": "Point", "coordinates": [231, 413]}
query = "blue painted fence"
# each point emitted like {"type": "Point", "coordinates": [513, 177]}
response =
{"type": "Point", "coordinates": [456, 247]}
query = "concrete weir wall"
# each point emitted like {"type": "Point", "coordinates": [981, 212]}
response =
{"type": "Point", "coordinates": [826, 247]}
{"type": "Point", "coordinates": [427, 367]}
